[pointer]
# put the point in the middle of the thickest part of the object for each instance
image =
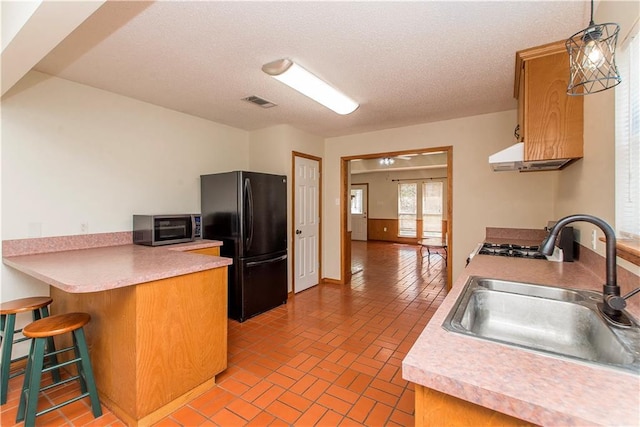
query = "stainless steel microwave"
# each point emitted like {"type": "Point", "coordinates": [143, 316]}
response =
{"type": "Point", "coordinates": [157, 230]}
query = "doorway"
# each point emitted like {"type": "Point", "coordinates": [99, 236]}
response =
{"type": "Point", "coordinates": [306, 194]}
{"type": "Point", "coordinates": [359, 207]}
{"type": "Point", "coordinates": [345, 203]}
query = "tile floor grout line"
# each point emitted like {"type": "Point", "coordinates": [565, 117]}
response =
{"type": "Point", "coordinates": [344, 342]}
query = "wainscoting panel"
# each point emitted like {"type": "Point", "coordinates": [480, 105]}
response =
{"type": "Point", "coordinates": [376, 231]}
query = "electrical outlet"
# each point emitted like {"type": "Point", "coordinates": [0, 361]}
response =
{"type": "Point", "coordinates": [594, 240]}
{"type": "Point", "coordinates": [84, 227]}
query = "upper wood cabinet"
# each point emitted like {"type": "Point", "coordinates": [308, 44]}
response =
{"type": "Point", "coordinates": [551, 122]}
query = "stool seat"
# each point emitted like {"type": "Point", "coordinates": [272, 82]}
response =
{"type": "Point", "coordinates": [56, 325]}
{"type": "Point", "coordinates": [9, 335]}
{"type": "Point", "coordinates": [40, 331]}
{"type": "Point", "coordinates": [24, 304]}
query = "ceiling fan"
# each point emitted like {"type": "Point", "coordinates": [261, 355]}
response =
{"type": "Point", "coordinates": [406, 156]}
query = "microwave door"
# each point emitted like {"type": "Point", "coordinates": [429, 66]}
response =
{"type": "Point", "coordinates": [177, 229]}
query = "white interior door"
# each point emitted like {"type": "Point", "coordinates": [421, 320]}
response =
{"type": "Point", "coordinates": [359, 212]}
{"type": "Point", "coordinates": [307, 228]}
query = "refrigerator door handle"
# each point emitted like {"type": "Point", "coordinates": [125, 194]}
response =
{"type": "Point", "coordinates": [268, 261]}
{"type": "Point", "coordinates": [249, 213]}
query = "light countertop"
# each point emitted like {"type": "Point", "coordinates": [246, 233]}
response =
{"type": "Point", "coordinates": [531, 386]}
{"type": "Point", "coordinates": [110, 267]}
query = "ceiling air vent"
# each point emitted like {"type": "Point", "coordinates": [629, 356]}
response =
{"type": "Point", "coordinates": [259, 101]}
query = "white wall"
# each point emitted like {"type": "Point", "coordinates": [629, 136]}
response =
{"type": "Point", "coordinates": [14, 16]}
{"type": "Point", "coordinates": [270, 152]}
{"type": "Point", "coordinates": [31, 29]}
{"type": "Point", "coordinates": [589, 185]}
{"type": "Point", "coordinates": [270, 148]}
{"type": "Point", "coordinates": [72, 154]}
{"type": "Point", "coordinates": [481, 198]}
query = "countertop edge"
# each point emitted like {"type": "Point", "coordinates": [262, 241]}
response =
{"type": "Point", "coordinates": [201, 263]}
{"type": "Point", "coordinates": [218, 263]}
{"type": "Point", "coordinates": [490, 399]}
{"type": "Point", "coordinates": [192, 246]}
{"type": "Point", "coordinates": [519, 376]}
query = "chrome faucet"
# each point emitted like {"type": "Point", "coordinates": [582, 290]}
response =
{"type": "Point", "coordinates": [612, 303]}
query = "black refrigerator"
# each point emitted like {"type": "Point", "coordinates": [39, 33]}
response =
{"type": "Point", "coordinates": [247, 211]}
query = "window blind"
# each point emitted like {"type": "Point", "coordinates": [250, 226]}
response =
{"type": "Point", "coordinates": [627, 168]}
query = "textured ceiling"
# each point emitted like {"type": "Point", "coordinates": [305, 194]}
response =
{"type": "Point", "coordinates": [404, 62]}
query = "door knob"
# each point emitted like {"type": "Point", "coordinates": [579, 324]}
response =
{"type": "Point", "coordinates": [298, 231]}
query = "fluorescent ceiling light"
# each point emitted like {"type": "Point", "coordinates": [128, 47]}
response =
{"type": "Point", "coordinates": [293, 75]}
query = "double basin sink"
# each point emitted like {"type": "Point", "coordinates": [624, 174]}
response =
{"type": "Point", "coordinates": [559, 322]}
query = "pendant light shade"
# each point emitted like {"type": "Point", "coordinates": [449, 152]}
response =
{"type": "Point", "coordinates": [592, 58]}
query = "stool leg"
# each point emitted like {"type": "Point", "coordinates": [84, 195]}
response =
{"type": "Point", "coordinates": [8, 326]}
{"type": "Point", "coordinates": [51, 347]}
{"type": "Point", "coordinates": [78, 356]}
{"type": "Point", "coordinates": [31, 386]}
{"type": "Point", "coordinates": [25, 384]}
{"type": "Point", "coordinates": [87, 371]}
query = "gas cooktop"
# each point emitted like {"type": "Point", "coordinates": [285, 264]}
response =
{"type": "Point", "coordinates": [511, 250]}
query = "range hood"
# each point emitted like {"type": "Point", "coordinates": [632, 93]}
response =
{"type": "Point", "coordinates": [512, 159]}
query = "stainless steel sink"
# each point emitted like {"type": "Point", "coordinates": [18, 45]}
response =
{"type": "Point", "coordinates": [557, 321]}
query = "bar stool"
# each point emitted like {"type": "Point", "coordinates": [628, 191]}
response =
{"type": "Point", "coordinates": [40, 331]}
{"type": "Point", "coordinates": [8, 310]}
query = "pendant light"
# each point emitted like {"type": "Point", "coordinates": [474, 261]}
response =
{"type": "Point", "coordinates": [592, 58]}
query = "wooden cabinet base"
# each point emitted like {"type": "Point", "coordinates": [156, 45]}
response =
{"type": "Point", "coordinates": [159, 413]}
{"type": "Point", "coordinates": [154, 345]}
{"type": "Point", "coordinates": [434, 408]}
{"type": "Point", "coordinates": [215, 251]}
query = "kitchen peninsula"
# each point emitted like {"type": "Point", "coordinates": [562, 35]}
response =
{"type": "Point", "coordinates": [473, 381]}
{"type": "Point", "coordinates": [158, 329]}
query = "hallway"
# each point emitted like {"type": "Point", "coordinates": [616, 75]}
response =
{"type": "Point", "coordinates": [331, 356]}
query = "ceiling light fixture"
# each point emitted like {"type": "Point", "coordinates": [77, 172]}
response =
{"type": "Point", "coordinates": [293, 75]}
{"type": "Point", "coordinates": [592, 58]}
{"type": "Point", "coordinates": [387, 161]}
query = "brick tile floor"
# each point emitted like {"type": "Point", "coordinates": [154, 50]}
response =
{"type": "Point", "coordinates": [330, 357]}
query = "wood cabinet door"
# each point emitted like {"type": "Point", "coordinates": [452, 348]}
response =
{"type": "Point", "coordinates": [553, 120]}
{"type": "Point", "coordinates": [522, 104]}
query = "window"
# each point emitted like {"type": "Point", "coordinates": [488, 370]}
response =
{"type": "Point", "coordinates": [628, 139]}
{"type": "Point", "coordinates": [356, 201]}
{"type": "Point", "coordinates": [432, 209]}
{"type": "Point", "coordinates": [407, 210]}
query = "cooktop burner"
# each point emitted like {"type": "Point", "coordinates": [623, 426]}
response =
{"type": "Point", "coordinates": [511, 250]}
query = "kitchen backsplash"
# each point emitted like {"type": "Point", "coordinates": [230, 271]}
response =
{"type": "Point", "coordinates": [589, 259]}
{"type": "Point", "coordinates": [41, 245]}
{"type": "Point", "coordinates": [495, 233]}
